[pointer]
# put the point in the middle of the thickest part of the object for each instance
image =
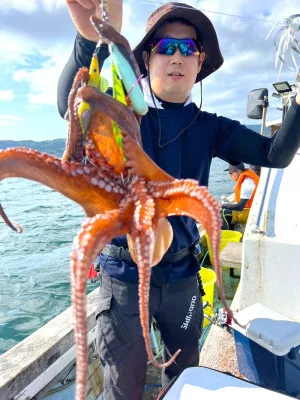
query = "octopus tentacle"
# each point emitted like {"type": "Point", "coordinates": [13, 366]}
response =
{"type": "Point", "coordinates": [143, 234]}
{"type": "Point", "coordinates": [15, 227]}
{"type": "Point", "coordinates": [113, 109]}
{"type": "Point", "coordinates": [83, 184]}
{"type": "Point", "coordinates": [94, 235]}
{"type": "Point", "coordinates": [187, 198]}
{"type": "Point", "coordinates": [74, 146]}
{"type": "Point", "coordinates": [102, 147]}
{"type": "Point", "coordinates": [139, 163]}
{"type": "Point", "coordinates": [99, 161]}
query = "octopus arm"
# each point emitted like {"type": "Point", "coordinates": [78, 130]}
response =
{"type": "Point", "coordinates": [209, 217]}
{"type": "Point", "coordinates": [113, 109]}
{"type": "Point", "coordinates": [15, 227]}
{"type": "Point", "coordinates": [139, 163]}
{"type": "Point", "coordinates": [96, 232]}
{"type": "Point", "coordinates": [142, 233]}
{"type": "Point", "coordinates": [185, 197]}
{"type": "Point", "coordinates": [202, 211]}
{"type": "Point", "coordinates": [74, 145]}
{"type": "Point", "coordinates": [70, 179]}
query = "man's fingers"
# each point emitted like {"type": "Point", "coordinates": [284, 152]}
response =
{"type": "Point", "coordinates": [96, 2]}
{"type": "Point", "coordinates": [88, 4]}
{"type": "Point", "coordinates": [82, 10]}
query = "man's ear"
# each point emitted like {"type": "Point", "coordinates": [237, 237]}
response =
{"type": "Point", "coordinates": [200, 60]}
{"type": "Point", "coordinates": [145, 58]}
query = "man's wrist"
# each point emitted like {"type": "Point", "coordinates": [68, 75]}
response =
{"type": "Point", "coordinates": [85, 48]}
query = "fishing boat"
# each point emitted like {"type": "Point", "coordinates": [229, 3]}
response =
{"type": "Point", "coordinates": [266, 349]}
{"type": "Point", "coordinates": [263, 358]}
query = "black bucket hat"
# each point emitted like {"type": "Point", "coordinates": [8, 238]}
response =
{"type": "Point", "coordinates": [213, 59]}
{"type": "Point", "coordinates": [239, 167]}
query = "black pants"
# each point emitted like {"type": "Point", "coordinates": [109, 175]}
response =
{"type": "Point", "coordinates": [177, 309]}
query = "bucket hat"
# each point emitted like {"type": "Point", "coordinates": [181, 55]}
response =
{"type": "Point", "coordinates": [202, 24]}
{"type": "Point", "coordinates": [239, 167]}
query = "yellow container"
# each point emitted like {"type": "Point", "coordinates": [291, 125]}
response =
{"type": "Point", "coordinates": [208, 277]}
{"type": "Point", "coordinates": [226, 237]}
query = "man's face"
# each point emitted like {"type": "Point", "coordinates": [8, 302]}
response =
{"type": "Point", "coordinates": [234, 174]}
{"type": "Point", "coordinates": [173, 76]}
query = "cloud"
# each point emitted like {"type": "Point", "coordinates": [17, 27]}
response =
{"type": "Point", "coordinates": [48, 23]}
{"type": "Point", "coordinates": [36, 39]}
{"type": "Point", "coordinates": [33, 51]}
{"type": "Point", "coordinates": [14, 51]}
{"type": "Point", "coordinates": [6, 95]}
{"type": "Point", "coordinates": [24, 6]}
{"type": "Point", "coordinates": [133, 25]}
{"type": "Point", "coordinates": [51, 5]}
{"type": "Point", "coordinates": [30, 6]}
{"type": "Point", "coordinates": [7, 120]}
{"type": "Point", "coordinates": [248, 57]}
{"type": "Point", "coordinates": [42, 81]}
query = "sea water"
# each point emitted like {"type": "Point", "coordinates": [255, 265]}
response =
{"type": "Point", "coordinates": [34, 265]}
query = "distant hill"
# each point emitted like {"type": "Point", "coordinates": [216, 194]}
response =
{"type": "Point", "coordinates": [56, 147]}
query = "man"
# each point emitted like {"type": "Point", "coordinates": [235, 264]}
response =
{"type": "Point", "coordinates": [180, 48]}
{"type": "Point", "coordinates": [244, 192]}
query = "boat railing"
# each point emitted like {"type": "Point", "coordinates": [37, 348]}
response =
{"type": "Point", "coordinates": [34, 364]}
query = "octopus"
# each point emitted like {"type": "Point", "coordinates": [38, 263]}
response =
{"type": "Point", "coordinates": [15, 227]}
{"type": "Point", "coordinates": [121, 190]}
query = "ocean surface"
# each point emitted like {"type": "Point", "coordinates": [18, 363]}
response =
{"type": "Point", "coordinates": [34, 265]}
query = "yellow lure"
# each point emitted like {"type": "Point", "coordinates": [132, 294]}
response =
{"type": "Point", "coordinates": [97, 81]}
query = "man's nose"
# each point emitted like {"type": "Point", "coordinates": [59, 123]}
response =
{"type": "Point", "coordinates": [177, 57]}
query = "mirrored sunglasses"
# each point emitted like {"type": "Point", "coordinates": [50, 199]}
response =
{"type": "Point", "coordinates": [168, 46]}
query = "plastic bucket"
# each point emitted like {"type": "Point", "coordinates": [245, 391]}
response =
{"type": "Point", "coordinates": [208, 277]}
{"type": "Point", "coordinates": [226, 237]}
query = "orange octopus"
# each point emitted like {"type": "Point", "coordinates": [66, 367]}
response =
{"type": "Point", "coordinates": [132, 196]}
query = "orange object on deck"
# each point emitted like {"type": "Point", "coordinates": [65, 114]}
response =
{"type": "Point", "coordinates": [92, 273]}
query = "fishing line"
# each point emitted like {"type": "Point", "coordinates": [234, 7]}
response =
{"type": "Point", "coordinates": [200, 9]}
{"type": "Point", "coordinates": [214, 12]}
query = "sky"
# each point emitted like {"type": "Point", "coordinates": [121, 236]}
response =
{"type": "Point", "coordinates": [37, 36]}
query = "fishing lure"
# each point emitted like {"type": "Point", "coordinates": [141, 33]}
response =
{"type": "Point", "coordinates": [134, 93]}
{"type": "Point", "coordinates": [130, 81]}
{"type": "Point", "coordinates": [119, 95]}
{"type": "Point", "coordinates": [97, 81]}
